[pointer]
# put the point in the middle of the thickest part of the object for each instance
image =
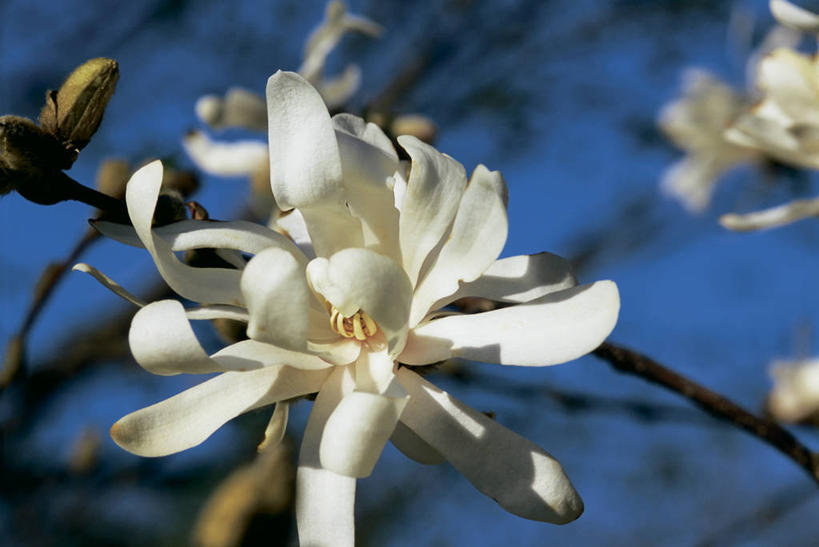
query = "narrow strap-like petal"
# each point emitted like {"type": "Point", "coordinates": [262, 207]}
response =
{"type": "Point", "coordinates": [477, 238]}
{"type": "Point", "coordinates": [187, 419]}
{"type": "Point", "coordinates": [205, 285]}
{"type": "Point", "coordinates": [324, 499]}
{"type": "Point", "coordinates": [185, 235]}
{"type": "Point", "coordinates": [436, 184]}
{"type": "Point", "coordinates": [518, 279]}
{"type": "Point", "coordinates": [163, 342]}
{"type": "Point", "coordinates": [305, 163]}
{"type": "Point", "coordinates": [414, 447]}
{"type": "Point", "coordinates": [520, 476]}
{"type": "Point", "coordinates": [554, 329]}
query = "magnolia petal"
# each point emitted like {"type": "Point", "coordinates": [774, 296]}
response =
{"type": "Point", "coordinates": [187, 419]}
{"type": "Point", "coordinates": [795, 16]}
{"type": "Point", "coordinates": [305, 163]}
{"type": "Point", "coordinates": [692, 179]}
{"type": "Point", "coordinates": [206, 285]}
{"type": "Point", "coordinates": [324, 499]}
{"type": "Point", "coordinates": [477, 238]}
{"type": "Point", "coordinates": [788, 79]}
{"type": "Point", "coordinates": [360, 279]}
{"type": "Point", "coordinates": [293, 226]}
{"type": "Point", "coordinates": [226, 159]}
{"type": "Point", "coordinates": [251, 354]}
{"type": "Point", "coordinates": [374, 374]}
{"type": "Point", "coordinates": [206, 313]}
{"type": "Point", "coordinates": [773, 217]}
{"type": "Point", "coordinates": [238, 235]}
{"type": "Point", "coordinates": [519, 279]}
{"type": "Point", "coordinates": [108, 283]}
{"type": "Point", "coordinates": [434, 189]}
{"type": "Point", "coordinates": [276, 427]}
{"type": "Point", "coordinates": [365, 131]}
{"type": "Point", "coordinates": [356, 432]}
{"type": "Point", "coordinates": [277, 296]}
{"type": "Point", "coordinates": [554, 329]}
{"type": "Point", "coordinates": [520, 476]}
{"type": "Point", "coordinates": [414, 447]}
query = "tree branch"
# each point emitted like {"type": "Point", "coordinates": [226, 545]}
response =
{"type": "Point", "coordinates": [631, 362]}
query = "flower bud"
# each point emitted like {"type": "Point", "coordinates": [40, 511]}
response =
{"type": "Point", "coordinates": [112, 177]}
{"type": "Point", "coordinates": [74, 113]}
{"type": "Point", "coordinates": [416, 125]}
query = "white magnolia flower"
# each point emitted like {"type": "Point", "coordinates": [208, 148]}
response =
{"type": "Point", "coordinates": [795, 17]}
{"type": "Point", "coordinates": [387, 252]}
{"type": "Point", "coordinates": [696, 123]}
{"type": "Point", "coordinates": [795, 395]}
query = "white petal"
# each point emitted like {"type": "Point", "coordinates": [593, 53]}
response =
{"type": "Point", "coordinates": [217, 312]}
{"type": "Point", "coordinates": [436, 184]}
{"type": "Point", "coordinates": [521, 477]}
{"type": "Point", "coordinates": [366, 131]}
{"type": "Point", "coordinates": [554, 329]}
{"type": "Point", "coordinates": [356, 432]}
{"type": "Point", "coordinates": [187, 419]}
{"type": "Point", "coordinates": [324, 499]}
{"type": "Point", "coordinates": [293, 226]}
{"type": "Point", "coordinates": [276, 427]}
{"type": "Point", "coordinates": [251, 354]}
{"type": "Point", "coordinates": [773, 217]}
{"type": "Point", "coordinates": [239, 235]}
{"type": "Point", "coordinates": [519, 279]}
{"type": "Point", "coordinates": [360, 279]}
{"type": "Point", "coordinates": [795, 16]}
{"type": "Point", "coordinates": [226, 159]}
{"type": "Point", "coordinates": [367, 170]}
{"type": "Point", "coordinates": [374, 374]}
{"type": "Point", "coordinates": [788, 79]}
{"type": "Point", "coordinates": [477, 238]}
{"type": "Point", "coordinates": [108, 283]}
{"type": "Point", "coordinates": [163, 342]}
{"type": "Point", "coordinates": [305, 164]}
{"type": "Point", "coordinates": [206, 285]}
{"type": "Point", "coordinates": [278, 299]}
{"type": "Point", "coordinates": [414, 447]}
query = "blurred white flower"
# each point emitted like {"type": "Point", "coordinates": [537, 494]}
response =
{"type": "Point", "coordinates": [772, 218]}
{"type": "Point", "coordinates": [696, 123]}
{"type": "Point", "coordinates": [383, 253]}
{"type": "Point", "coordinates": [795, 395]}
{"type": "Point", "coordinates": [795, 17]}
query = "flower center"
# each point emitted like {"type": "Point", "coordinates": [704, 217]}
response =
{"type": "Point", "coordinates": [360, 326]}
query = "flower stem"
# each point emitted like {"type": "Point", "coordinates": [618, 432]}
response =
{"type": "Point", "coordinates": [631, 362]}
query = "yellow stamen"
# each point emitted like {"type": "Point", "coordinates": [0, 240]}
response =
{"type": "Point", "coordinates": [360, 326]}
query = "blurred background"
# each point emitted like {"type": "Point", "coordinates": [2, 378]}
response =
{"type": "Point", "coordinates": [562, 97]}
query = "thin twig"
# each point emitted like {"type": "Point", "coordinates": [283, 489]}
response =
{"type": "Point", "coordinates": [631, 362]}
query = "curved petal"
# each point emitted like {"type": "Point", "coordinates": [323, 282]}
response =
{"type": "Point", "coordinates": [477, 238]}
{"type": "Point", "coordinates": [360, 279]}
{"type": "Point", "coordinates": [366, 131]}
{"type": "Point", "coordinates": [187, 419]}
{"type": "Point", "coordinates": [293, 226]}
{"type": "Point", "coordinates": [414, 447]}
{"type": "Point", "coordinates": [163, 342]}
{"type": "Point", "coordinates": [305, 163]}
{"type": "Point", "coordinates": [278, 299]}
{"type": "Point", "coordinates": [225, 159]}
{"type": "Point", "coordinates": [276, 427]}
{"type": "Point", "coordinates": [554, 329]}
{"type": "Point", "coordinates": [356, 432]}
{"type": "Point", "coordinates": [434, 189]}
{"type": "Point", "coordinates": [207, 313]}
{"type": "Point", "coordinates": [337, 90]}
{"type": "Point", "coordinates": [367, 169]}
{"type": "Point", "coordinates": [324, 499]}
{"type": "Point", "coordinates": [519, 279]}
{"type": "Point", "coordinates": [520, 476]}
{"type": "Point", "coordinates": [795, 17]}
{"type": "Point", "coordinates": [206, 285]}
{"type": "Point", "coordinates": [771, 218]}
{"type": "Point", "coordinates": [108, 283]}
{"type": "Point", "coordinates": [239, 235]}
